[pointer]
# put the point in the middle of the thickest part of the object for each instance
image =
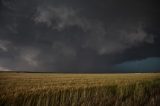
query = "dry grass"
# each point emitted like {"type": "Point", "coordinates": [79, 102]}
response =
{"type": "Point", "coordinates": [42, 89]}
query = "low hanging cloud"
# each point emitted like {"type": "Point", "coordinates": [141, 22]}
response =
{"type": "Point", "coordinates": [103, 39]}
{"type": "Point", "coordinates": [117, 40]}
{"type": "Point", "coordinates": [30, 55]}
{"type": "Point", "coordinates": [56, 35]}
{"type": "Point", "coordinates": [4, 45]}
{"type": "Point", "coordinates": [60, 17]}
{"type": "Point", "coordinates": [63, 49]}
{"type": "Point", "coordinates": [5, 69]}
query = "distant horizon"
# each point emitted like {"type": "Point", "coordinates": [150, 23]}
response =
{"type": "Point", "coordinates": [59, 72]}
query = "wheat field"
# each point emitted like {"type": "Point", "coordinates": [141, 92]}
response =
{"type": "Point", "coordinates": [51, 89]}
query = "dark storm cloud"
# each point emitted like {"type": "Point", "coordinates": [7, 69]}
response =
{"type": "Point", "coordinates": [80, 35]}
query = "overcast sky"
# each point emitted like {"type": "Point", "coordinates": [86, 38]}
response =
{"type": "Point", "coordinates": [80, 35]}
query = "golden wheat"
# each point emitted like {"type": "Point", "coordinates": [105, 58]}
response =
{"type": "Point", "coordinates": [50, 89]}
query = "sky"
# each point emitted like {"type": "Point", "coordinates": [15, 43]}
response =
{"type": "Point", "coordinates": [80, 35]}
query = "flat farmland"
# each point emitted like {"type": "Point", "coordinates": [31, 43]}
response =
{"type": "Point", "coordinates": [61, 89]}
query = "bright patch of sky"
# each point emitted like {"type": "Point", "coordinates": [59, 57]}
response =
{"type": "Point", "coordinates": [149, 64]}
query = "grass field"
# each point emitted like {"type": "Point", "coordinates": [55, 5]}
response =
{"type": "Point", "coordinates": [50, 89]}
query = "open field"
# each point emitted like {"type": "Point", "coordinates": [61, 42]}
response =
{"type": "Point", "coordinates": [50, 89]}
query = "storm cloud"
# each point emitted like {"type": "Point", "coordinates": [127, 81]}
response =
{"type": "Point", "coordinates": [77, 35]}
